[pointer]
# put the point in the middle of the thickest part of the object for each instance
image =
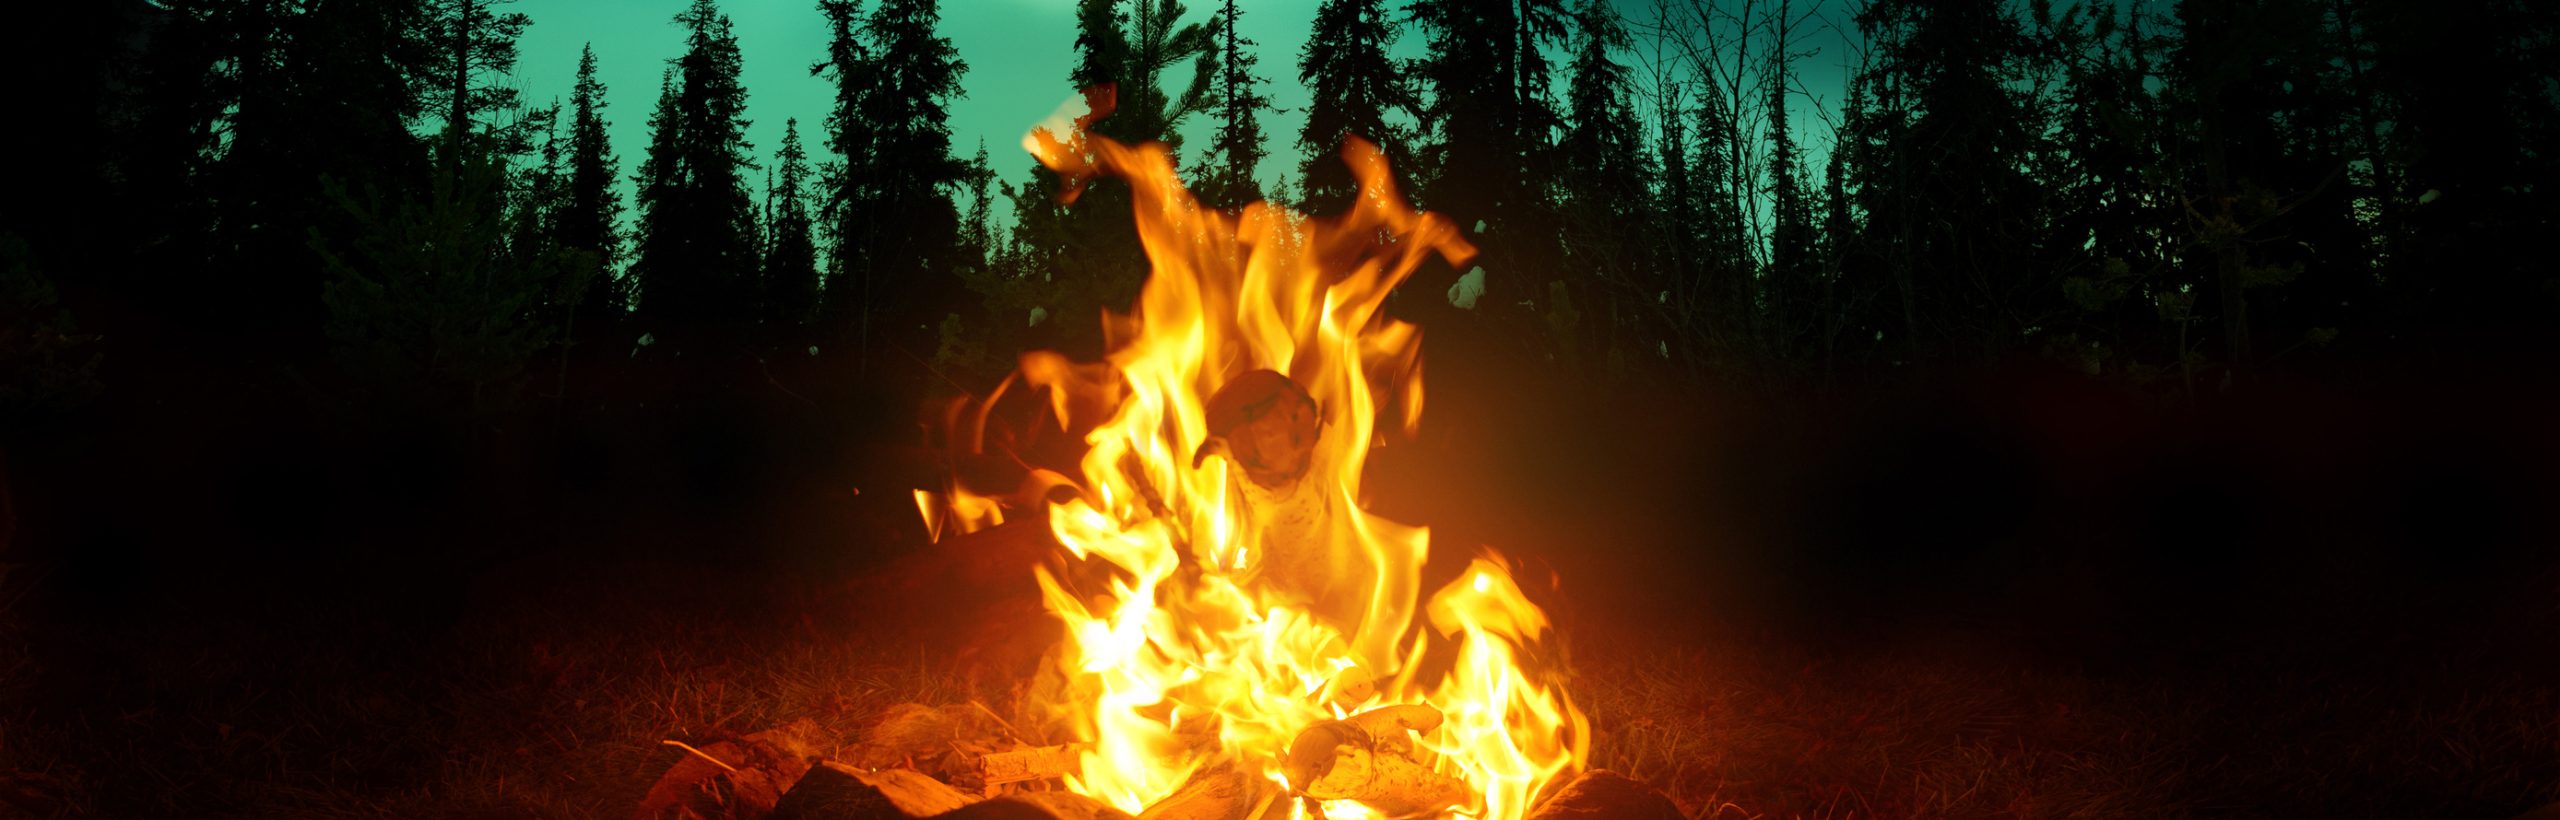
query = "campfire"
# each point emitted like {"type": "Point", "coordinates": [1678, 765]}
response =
{"type": "Point", "coordinates": [1234, 611]}
{"type": "Point", "coordinates": [1241, 636]}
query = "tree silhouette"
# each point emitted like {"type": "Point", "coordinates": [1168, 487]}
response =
{"type": "Point", "coordinates": [1345, 67]}
{"type": "Point", "coordinates": [896, 227]}
{"type": "Point", "coordinates": [590, 217]}
{"type": "Point", "coordinates": [1225, 178]}
{"type": "Point", "coordinates": [789, 292]}
{"type": "Point", "coordinates": [1612, 206]}
{"type": "Point", "coordinates": [470, 52]}
{"type": "Point", "coordinates": [696, 266]}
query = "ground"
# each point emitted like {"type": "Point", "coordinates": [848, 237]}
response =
{"type": "Point", "coordinates": [2038, 604]}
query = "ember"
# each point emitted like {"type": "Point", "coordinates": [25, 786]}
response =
{"type": "Point", "coordinates": [1234, 613]}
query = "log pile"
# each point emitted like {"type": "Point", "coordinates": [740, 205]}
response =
{"type": "Point", "coordinates": [916, 763]}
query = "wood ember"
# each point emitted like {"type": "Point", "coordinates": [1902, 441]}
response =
{"type": "Point", "coordinates": [744, 777]}
{"type": "Point", "coordinates": [1219, 793]}
{"type": "Point", "coordinates": [1598, 794]}
{"type": "Point", "coordinates": [1029, 763]}
{"type": "Point", "coordinates": [1369, 758]}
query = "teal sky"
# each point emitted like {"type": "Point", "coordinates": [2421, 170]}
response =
{"type": "Point", "coordinates": [1018, 52]}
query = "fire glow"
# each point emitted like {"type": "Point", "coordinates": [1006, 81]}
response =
{"type": "Point", "coordinates": [1231, 607]}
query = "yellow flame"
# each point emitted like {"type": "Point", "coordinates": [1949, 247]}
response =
{"type": "Point", "coordinates": [1231, 616]}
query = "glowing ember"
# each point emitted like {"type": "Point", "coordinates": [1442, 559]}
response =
{"type": "Point", "coordinates": [1232, 604]}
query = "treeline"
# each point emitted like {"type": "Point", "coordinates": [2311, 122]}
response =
{"type": "Point", "coordinates": [2173, 193]}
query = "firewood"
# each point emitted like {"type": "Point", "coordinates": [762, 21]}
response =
{"type": "Point", "coordinates": [1219, 793]}
{"type": "Point", "coordinates": [834, 791]}
{"type": "Point", "coordinates": [1026, 764]}
{"type": "Point", "coordinates": [1267, 424]}
{"type": "Point", "coordinates": [1599, 794]}
{"type": "Point", "coordinates": [1369, 758]}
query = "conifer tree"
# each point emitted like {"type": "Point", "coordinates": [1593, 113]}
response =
{"type": "Point", "coordinates": [1346, 68]}
{"type": "Point", "coordinates": [696, 265]}
{"type": "Point", "coordinates": [590, 217]}
{"type": "Point", "coordinates": [319, 96]}
{"type": "Point", "coordinates": [471, 51]}
{"type": "Point", "coordinates": [894, 226]}
{"type": "Point", "coordinates": [1788, 283]}
{"type": "Point", "coordinates": [789, 292]}
{"type": "Point", "coordinates": [1225, 178]}
{"type": "Point", "coordinates": [1945, 185]}
{"type": "Point", "coordinates": [1489, 160]}
{"type": "Point", "coordinates": [1611, 183]}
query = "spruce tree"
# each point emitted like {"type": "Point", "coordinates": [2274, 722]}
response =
{"type": "Point", "coordinates": [1611, 183]}
{"type": "Point", "coordinates": [1225, 178]}
{"type": "Point", "coordinates": [590, 217]}
{"type": "Point", "coordinates": [1489, 161]}
{"type": "Point", "coordinates": [790, 282]}
{"type": "Point", "coordinates": [894, 226]}
{"type": "Point", "coordinates": [1346, 67]}
{"type": "Point", "coordinates": [696, 265]}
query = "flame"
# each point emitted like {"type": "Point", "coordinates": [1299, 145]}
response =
{"type": "Point", "coordinates": [1212, 615]}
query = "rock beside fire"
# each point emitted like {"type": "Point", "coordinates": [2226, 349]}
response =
{"type": "Point", "coordinates": [1606, 795]}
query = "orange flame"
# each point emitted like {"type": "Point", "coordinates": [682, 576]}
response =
{"type": "Point", "coordinates": [1239, 608]}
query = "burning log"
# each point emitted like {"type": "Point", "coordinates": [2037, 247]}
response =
{"type": "Point", "coordinates": [1369, 758]}
{"type": "Point", "coordinates": [1605, 794]}
{"type": "Point", "coordinates": [1028, 764]}
{"type": "Point", "coordinates": [1216, 794]}
{"type": "Point", "coordinates": [1267, 424]}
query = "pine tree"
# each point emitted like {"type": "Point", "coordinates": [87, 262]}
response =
{"type": "Point", "coordinates": [472, 50]}
{"type": "Point", "coordinates": [317, 96]}
{"type": "Point", "coordinates": [1945, 186]}
{"type": "Point", "coordinates": [1129, 44]}
{"type": "Point", "coordinates": [790, 282]}
{"type": "Point", "coordinates": [696, 265]}
{"type": "Point", "coordinates": [1345, 65]}
{"type": "Point", "coordinates": [590, 217]}
{"type": "Point", "coordinates": [895, 228]}
{"type": "Point", "coordinates": [1225, 178]}
{"type": "Point", "coordinates": [1489, 158]}
{"type": "Point", "coordinates": [977, 230]}
{"type": "Point", "coordinates": [1788, 283]}
{"type": "Point", "coordinates": [1605, 168]}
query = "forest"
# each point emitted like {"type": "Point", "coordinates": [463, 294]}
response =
{"type": "Point", "coordinates": [339, 377]}
{"type": "Point", "coordinates": [2174, 195]}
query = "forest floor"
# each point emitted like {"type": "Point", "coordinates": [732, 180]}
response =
{"type": "Point", "coordinates": [2037, 604]}
{"type": "Point", "coordinates": [551, 698]}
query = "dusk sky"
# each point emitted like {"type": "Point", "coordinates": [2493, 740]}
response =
{"type": "Point", "coordinates": [1018, 52]}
